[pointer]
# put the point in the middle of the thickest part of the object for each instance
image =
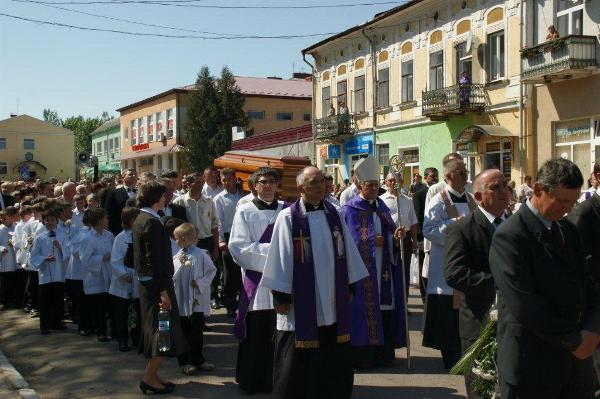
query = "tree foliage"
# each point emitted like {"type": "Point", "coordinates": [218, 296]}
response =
{"type": "Point", "coordinates": [81, 127]}
{"type": "Point", "coordinates": [215, 107]}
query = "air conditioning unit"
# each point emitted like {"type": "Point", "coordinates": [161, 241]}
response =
{"type": "Point", "coordinates": [237, 133]}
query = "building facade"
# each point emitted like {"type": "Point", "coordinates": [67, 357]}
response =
{"type": "Point", "coordinates": [421, 80]}
{"type": "Point", "coordinates": [562, 79]}
{"type": "Point", "coordinates": [31, 148]}
{"type": "Point", "coordinates": [106, 146]}
{"type": "Point", "coordinates": [152, 133]}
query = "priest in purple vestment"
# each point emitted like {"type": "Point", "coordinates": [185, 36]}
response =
{"type": "Point", "coordinates": [378, 309]}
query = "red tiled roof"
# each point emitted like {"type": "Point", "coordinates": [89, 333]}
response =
{"type": "Point", "coordinates": [274, 139]}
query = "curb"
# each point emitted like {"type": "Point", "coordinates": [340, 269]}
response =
{"type": "Point", "coordinates": [15, 380]}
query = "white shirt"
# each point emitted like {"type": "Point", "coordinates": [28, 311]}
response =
{"type": "Point", "coordinates": [96, 271]}
{"type": "Point", "coordinates": [435, 222]}
{"type": "Point", "coordinates": [248, 227]}
{"type": "Point", "coordinates": [348, 194]}
{"type": "Point", "coordinates": [201, 213]}
{"type": "Point", "coordinates": [401, 208]}
{"type": "Point", "coordinates": [225, 204]}
{"type": "Point", "coordinates": [245, 199]}
{"type": "Point", "coordinates": [587, 194]}
{"type": "Point", "coordinates": [123, 279]}
{"type": "Point", "coordinates": [43, 245]}
{"type": "Point", "coordinates": [209, 192]}
{"type": "Point", "coordinates": [75, 267]}
{"type": "Point", "coordinates": [279, 268]}
{"type": "Point", "coordinates": [19, 241]}
{"type": "Point", "coordinates": [8, 260]}
{"type": "Point", "coordinates": [193, 265]}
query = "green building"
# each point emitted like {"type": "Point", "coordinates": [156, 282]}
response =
{"type": "Point", "coordinates": [106, 146]}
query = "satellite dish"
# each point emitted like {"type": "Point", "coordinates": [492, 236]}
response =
{"type": "Point", "coordinates": [83, 156]}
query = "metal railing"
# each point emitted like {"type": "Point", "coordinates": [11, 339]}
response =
{"type": "Point", "coordinates": [454, 99]}
{"type": "Point", "coordinates": [555, 56]}
{"type": "Point", "coordinates": [334, 126]}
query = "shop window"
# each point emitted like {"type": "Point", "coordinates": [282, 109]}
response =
{"type": "Point", "coordinates": [569, 17]}
{"type": "Point", "coordinates": [498, 155]}
{"type": "Point", "coordinates": [383, 87]}
{"type": "Point", "coordinates": [436, 70]}
{"type": "Point", "coordinates": [496, 56]}
{"type": "Point", "coordinates": [359, 94]}
{"type": "Point", "coordinates": [572, 142]}
{"type": "Point", "coordinates": [407, 81]}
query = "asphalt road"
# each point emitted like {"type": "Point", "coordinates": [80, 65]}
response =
{"type": "Point", "coordinates": [64, 365]}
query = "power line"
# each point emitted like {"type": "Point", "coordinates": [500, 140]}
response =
{"type": "Point", "coordinates": [170, 27]}
{"type": "Point", "coordinates": [85, 28]}
{"type": "Point", "coordinates": [187, 3]}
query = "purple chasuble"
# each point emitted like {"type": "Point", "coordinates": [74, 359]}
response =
{"type": "Point", "coordinates": [303, 286]}
{"type": "Point", "coordinates": [248, 288]}
{"type": "Point", "coordinates": [366, 326]}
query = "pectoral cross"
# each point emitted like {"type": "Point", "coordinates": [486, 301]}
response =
{"type": "Point", "coordinates": [386, 276]}
{"type": "Point", "coordinates": [303, 245]}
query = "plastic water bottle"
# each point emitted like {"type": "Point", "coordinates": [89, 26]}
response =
{"type": "Point", "coordinates": [164, 338]}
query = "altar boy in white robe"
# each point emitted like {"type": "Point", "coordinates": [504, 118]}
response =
{"type": "Point", "coordinates": [310, 267]}
{"type": "Point", "coordinates": [441, 308]}
{"type": "Point", "coordinates": [194, 272]}
{"type": "Point", "coordinates": [255, 321]}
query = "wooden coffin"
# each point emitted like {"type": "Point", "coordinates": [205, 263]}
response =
{"type": "Point", "coordinates": [245, 163]}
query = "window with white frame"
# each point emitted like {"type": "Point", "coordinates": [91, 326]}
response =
{"type": "Point", "coordinates": [359, 94]}
{"type": "Point", "coordinates": [342, 89]}
{"type": "Point", "coordinates": [256, 115]}
{"type": "Point", "coordinates": [111, 145]}
{"type": "Point", "coordinates": [158, 126]}
{"type": "Point", "coordinates": [383, 87]}
{"type": "Point", "coordinates": [106, 147]}
{"type": "Point", "coordinates": [307, 117]}
{"type": "Point", "coordinates": [141, 137]}
{"type": "Point", "coordinates": [325, 100]}
{"type": "Point", "coordinates": [170, 123]}
{"type": "Point", "coordinates": [98, 148]}
{"type": "Point", "coordinates": [572, 142]}
{"type": "Point", "coordinates": [464, 61]}
{"type": "Point", "coordinates": [569, 17]}
{"type": "Point", "coordinates": [150, 128]}
{"type": "Point", "coordinates": [3, 168]}
{"type": "Point", "coordinates": [495, 56]}
{"type": "Point", "coordinates": [406, 83]}
{"type": "Point", "coordinates": [116, 144]}
{"type": "Point", "coordinates": [133, 132]}
{"type": "Point", "coordinates": [436, 70]}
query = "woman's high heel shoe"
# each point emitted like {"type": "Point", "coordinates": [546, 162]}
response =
{"type": "Point", "coordinates": [145, 388]}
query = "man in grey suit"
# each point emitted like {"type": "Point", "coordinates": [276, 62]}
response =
{"type": "Point", "coordinates": [549, 305]}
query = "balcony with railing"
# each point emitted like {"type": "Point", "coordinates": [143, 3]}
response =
{"type": "Point", "coordinates": [562, 58]}
{"type": "Point", "coordinates": [335, 127]}
{"type": "Point", "coordinates": [441, 104]}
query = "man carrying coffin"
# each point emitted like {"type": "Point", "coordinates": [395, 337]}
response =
{"type": "Point", "coordinates": [249, 242]}
{"type": "Point", "coordinates": [311, 264]}
{"type": "Point", "coordinates": [378, 314]}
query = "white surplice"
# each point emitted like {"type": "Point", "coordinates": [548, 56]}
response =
{"type": "Point", "coordinates": [8, 259]}
{"type": "Point", "coordinates": [249, 224]}
{"type": "Point", "coordinates": [279, 269]}
{"type": "Point", "coordinates": [198, 266]}
{"type": "Point", "coordinates": [96, 270]}
{"type": "Point", "coordinates": [43, 246]}
{"type": "Point", "coordinates": [123, 280]}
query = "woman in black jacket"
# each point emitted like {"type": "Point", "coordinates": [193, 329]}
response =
{"type": "Point", "coordinates": [154, 268]}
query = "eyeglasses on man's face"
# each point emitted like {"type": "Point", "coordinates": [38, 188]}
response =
{"type": "Point", "coordinates": [267, 182]}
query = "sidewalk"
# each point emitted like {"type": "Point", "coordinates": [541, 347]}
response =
{"type": "Point", "coordinates": [12, 383]}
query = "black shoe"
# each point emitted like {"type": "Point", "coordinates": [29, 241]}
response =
{"type": "Point", "coordinates": [84, 333]}
{"type": "Point", "coordinates": [45, 332]}
{"type": "Point", "coordinates": [102, 338]}
{"type": "Point", "coordinates": [214, 304]}
{"type": "Point", "coordinates": [27, 309]}
{"type": "Point", "coordinates": [123, 347]}
{"type": "Point", "coordinates": [60, 327]}
{"type": "Point", "coordinates": [145, 388]}
{"type": "Point", "coordinates": [231, 313]}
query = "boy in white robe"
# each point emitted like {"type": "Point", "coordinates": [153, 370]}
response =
{"type": "Point", "coordinates": [194, 272]}
{"type": "Point", "coordinates": [74, 279]}
{"type": "Point", "coordinates": [8, 261]}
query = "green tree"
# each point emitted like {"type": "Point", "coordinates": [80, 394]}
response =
{"type": "Point", "coordinates": [202, 122]}
{"type": "Point", "coordinates": [52, 117]}
{"type": "Point", "coordinates": [80, 126]}
{"type": "Point", "coordinates": [216, 105]}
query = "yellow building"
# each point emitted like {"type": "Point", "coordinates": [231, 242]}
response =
{"type": "Point", "coordinates": [31, 148]}
{"type": "Point", "coordinates": [399, 76]}
{"type": "Point", "coordinates": [152, 129]}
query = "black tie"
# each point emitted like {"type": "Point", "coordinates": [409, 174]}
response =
{"type": "Point", "coordinates": [52, 234]}
{"type": "Point", "coordinates": [161, 213]}
{"type": "Point", "coordinates": [497, 221]}
{"type": "Point", "coordinates": [555, 229]}
{"type": "Point", "coordinates": [311, 207]}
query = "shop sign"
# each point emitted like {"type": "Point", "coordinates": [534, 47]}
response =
{"type": "Point", "coordinates": [334, 151]}
{"type": "Point", "coordinates": [140, 147]}
{"type": "Point", "coordinates": [359, 145]}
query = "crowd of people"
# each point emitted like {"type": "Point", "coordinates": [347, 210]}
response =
{"type": "Point", "coordinates": [317, 287]}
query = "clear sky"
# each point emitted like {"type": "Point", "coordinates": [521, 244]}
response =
{"type": "Point", "coordinates": [83, 72]}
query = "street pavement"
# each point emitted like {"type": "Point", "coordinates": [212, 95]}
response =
{"type": "Point", "coordinates": [64, 365]}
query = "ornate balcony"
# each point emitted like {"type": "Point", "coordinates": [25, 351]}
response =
{"type": "Point", "coordinates": [334, 127]}
{"type": "Point", "coordinates": [456, 100]}
{"type": "Point", "coordinates": [563, 58]}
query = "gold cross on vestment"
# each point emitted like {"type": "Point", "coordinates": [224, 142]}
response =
{"type": "Point", "coordinates": [386, 276]}
{"type": "Point", "coordinates": [303, 245]}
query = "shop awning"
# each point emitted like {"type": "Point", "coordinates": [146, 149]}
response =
{"type": "Point", "coordinates": [150, 152]}
{"type": "Point", "coordinates": [109, 168]}
{"type": "Point", "coordinates": [474, 132]}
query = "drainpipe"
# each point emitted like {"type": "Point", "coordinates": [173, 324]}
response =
{"type": "Point", "coordinates": [373, 82]}
{"type": "Point", "coordinates": [521, 96]}
{"type": "Point", "coordinates": [314, 107]}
